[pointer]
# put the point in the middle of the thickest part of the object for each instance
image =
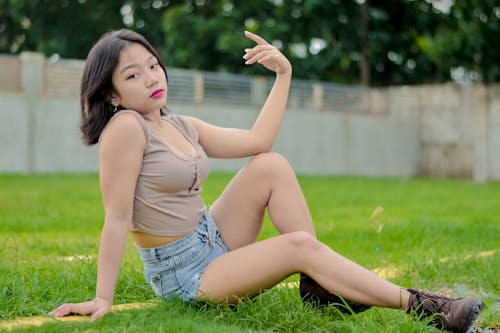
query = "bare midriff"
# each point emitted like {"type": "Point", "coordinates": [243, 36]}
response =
{"type": "Point", "coordinates": [145, 240]}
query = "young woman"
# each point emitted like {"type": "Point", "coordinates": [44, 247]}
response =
{"type": "Point", "coordinates": [152, 166]}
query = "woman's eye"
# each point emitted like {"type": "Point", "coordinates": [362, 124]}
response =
{"type": "Point", "coordinates": [154, 66]}
{"type": "Point", "coordinates": [133, 76]}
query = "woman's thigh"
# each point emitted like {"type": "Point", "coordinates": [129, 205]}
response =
{"type": "Point", "coordinates": [269, 181]}
{"type": "Point", "coordinates": [239, 211]}
{"type": "Point", "coordinates": [249, 270]}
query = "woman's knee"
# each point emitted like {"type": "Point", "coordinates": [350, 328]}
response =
{"type": "Point", "coordinates": [304, 249]}
{"type": "Point", "coordinates": [269, 163]}
{"type": "Point", "coordinates": [303, 242]}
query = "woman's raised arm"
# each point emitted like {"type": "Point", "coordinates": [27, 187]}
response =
{"type": "Point", "coordinates": [233, 143]}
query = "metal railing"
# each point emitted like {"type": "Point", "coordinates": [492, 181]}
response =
{"type": "Point", "coordinates": [10, 75]}
{"type": "Point", "coordinates": [62, 79]}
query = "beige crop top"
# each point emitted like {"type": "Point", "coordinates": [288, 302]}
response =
{"type": "Point", "coordinates": [167, 199]}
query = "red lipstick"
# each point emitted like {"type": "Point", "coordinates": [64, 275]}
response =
{"type": "Point", "coordinates": [157, 94]}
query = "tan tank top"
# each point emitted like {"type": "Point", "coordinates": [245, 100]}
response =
{"type": "Point", "coordinates": [167, 199]}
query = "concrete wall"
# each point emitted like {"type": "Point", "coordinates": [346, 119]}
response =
{"type": "Point", "coordinates": [493, 132]}
{"type": "Point", "coordinates": [443, 131]}
{"type": "Point", "coordinates": [458, 137]}
{"type": "Point", "coordinates": [328, 142]}
{"type": "Point", "coordinates": [13, 134]}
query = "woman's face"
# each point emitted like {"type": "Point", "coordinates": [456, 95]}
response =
{"type": "Point", "coordinates": [139, 80]}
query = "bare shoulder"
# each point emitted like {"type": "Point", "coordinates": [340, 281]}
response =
{"type": "Point", "coordinates": [195, 122]}
{"type": "Point", "coordinates": [125, 123]}
{"type": "Point", "coordinates": [188, 118]}
{"type": "Point", "coordinates": [125, 128]}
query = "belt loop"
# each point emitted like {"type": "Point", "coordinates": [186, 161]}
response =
{"type": "Point", "coordinates": [212, 234]}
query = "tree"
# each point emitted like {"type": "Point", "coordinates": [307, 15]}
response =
{"type": "Point", "coordinates": [467, 40]}
{"type": "Point", "coordinates": [372, 42]}
{"type": "Point", "coordinates": [13, 25]}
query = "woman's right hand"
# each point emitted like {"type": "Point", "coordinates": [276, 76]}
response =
{"type": "Point", "coordinates": [267, 55]}
{"type": "Point", "coordinates": [96, 308]}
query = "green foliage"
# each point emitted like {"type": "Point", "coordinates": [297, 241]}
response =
{"type": "Point", "coordinates": [68, 27]}
{"type": "Point", "coordinates": [468, 38]}
{"type": "Point", "coordinates": [405, 41]}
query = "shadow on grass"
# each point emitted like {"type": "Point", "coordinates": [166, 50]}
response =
{"type": "Point", "coordinates": [157, 317]}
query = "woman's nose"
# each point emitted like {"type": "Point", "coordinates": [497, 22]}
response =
{"type": "Point", "coordinates": [151, 80]}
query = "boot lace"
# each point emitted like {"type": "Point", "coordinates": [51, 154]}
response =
{"type": "Point", "coordinates": [430, 304]}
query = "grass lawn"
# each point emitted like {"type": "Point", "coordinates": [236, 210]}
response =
{"type": "Point", "coordinates": [435, 234]}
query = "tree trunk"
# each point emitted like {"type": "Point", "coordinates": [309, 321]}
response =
{"type": "Point", "coordinates": [364, 63]}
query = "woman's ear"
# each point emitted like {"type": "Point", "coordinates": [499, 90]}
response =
{"type": "Point", "coordinates": [112, 99]}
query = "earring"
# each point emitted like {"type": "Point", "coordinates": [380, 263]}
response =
{"type": "Point", "coordinates": [114, 104]}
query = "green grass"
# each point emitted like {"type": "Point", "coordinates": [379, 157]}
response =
{"type": "Point", "coordinates": [433, 234]}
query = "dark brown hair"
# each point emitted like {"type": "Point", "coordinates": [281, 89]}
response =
{"type": "Point", "coordinates": [96, 86]}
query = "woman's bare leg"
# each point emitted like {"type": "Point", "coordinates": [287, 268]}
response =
{"type": "Point", "coordinates": [266, 181]}
{"type": "Point", "coordinates": [269, 181]}
{"type": "Point", "coordinates": [253, 268]}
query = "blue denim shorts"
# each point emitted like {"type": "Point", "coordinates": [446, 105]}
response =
{"type": "Point", "coordinates": [174, 270]}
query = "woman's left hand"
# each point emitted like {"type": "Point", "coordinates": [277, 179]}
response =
{"type": "Point", "coordinates": [267, 55]}
{"type": "Point", "coordinates": [96, 308]}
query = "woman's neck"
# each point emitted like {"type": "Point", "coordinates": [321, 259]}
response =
{"type": "Point", "coordinates": [153, 117]}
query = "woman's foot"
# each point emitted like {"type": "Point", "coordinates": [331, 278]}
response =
{"type": "Point", "coordinates": [452, 314]}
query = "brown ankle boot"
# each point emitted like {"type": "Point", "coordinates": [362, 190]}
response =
{"type": "Point", "coordinates": [452, 314]}
{"type": "Point", "coordinates": [311, 292]}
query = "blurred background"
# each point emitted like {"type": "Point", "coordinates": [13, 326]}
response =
{"type": "Point", "coordinates": [393, 88]}
{"type": "Point", "coordinates": [369, 42]}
